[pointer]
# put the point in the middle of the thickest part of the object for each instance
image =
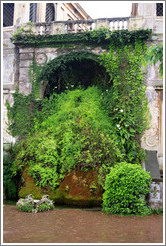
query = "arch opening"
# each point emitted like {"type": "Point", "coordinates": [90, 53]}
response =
{"type": "Point", "coordinates": [74, 71]}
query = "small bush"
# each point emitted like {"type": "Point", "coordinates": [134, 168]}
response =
{"type": "Point", "coordinates": [126, 187]}
{"type": "Point", "coordinates": [27, 206]}
{"type": "Point", "coordinates": [44, 207]}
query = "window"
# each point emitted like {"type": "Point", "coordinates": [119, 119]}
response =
{"type": "Point", "coordinates": [159, 9]}
{"type": "Point", "coordinates": [8, 13]}
{"type": "Point", "coordinates": [33, 12]}
{"type": "Point", "coordinates": [50, 12]}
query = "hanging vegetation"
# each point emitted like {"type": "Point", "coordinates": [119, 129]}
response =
{"type": "Point", "coordinates": [127, 104]}
{"type": "Point", "coordinates": [102, 36]}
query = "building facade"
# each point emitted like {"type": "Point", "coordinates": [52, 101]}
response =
{"type": "Point", "coordinates": [16, 14]}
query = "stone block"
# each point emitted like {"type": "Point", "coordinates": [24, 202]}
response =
{"type": "Point", "coordinates": [24, 74]}
{"type": "Point", "coordinates": [26, 56]}
{"type": "Point", "coordinates": [58, 28]}
{"type": "Point", "coordinates": [45, 50]}
{"type": "Point", "coordinates": [8, 45]}
{"type": "Point", "coordinates": [7, 34]}
{"type": "Point", "coordinates": [25, 63]}
{"type": "Point", "coordinates": [25, 88]}
{"type": "Point", "coordinates": [156, 195]}
{"type": "Point", "coordinates": [26, 50]}
{"type": "Point", "coordinates": [8, 68]}
{"type": "Point", "coordinates": [102, 23]}
{"type": "Point", "coordinates": [41, 58]}
{"type": "Point", "coordinates": [51, 56]}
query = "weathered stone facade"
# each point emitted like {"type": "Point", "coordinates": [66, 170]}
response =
{"type": "Point", "coordinates": [17, 61]}
{"type": "Point", "coordinates": [156, 194]}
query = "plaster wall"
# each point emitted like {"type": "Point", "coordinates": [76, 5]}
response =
{"type": "Point", "coordinates": [21, 13]}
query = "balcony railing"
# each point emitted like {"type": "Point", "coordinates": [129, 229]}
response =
{"type": "Point", "coordinates": [79, 26]}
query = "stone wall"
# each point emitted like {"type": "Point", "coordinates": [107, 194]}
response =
{"type": "Point", "coordinates": [10, 77]}
{"type": "Point", "coordinates": [42, 56]}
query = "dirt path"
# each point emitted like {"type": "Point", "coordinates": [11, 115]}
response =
{"type": "Point", "coordinates": [79, 226]}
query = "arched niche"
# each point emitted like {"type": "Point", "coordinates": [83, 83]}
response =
{"type": "Point", "coordinates": [68, 71]}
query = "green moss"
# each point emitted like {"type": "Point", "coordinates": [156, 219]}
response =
{"type": "Point", "coordinates": [62, 198]}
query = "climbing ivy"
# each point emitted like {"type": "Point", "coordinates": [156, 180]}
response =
{"type": "Point", "coordinates": [73, 69]}
{"type": "Point", "coordinates": [126, 101]}
{"type": "Point", "coordinates": [63, 61]}
{"type": "Point", "coordinates": [102, 36]}
{"type": "Point", "coordinates": [34, 71]}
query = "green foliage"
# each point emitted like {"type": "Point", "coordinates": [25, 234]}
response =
{"type": "Point", "coordinates": [22, 30]}
{"type": "Point", "coordinates": [62, 62]}
{"type": "Point", "coordinates": [9, 181]}
{"type": "Point", "coordinates": [45, 206]}
{"type": "Point", "coordinates": [78, 133]}
{"type": "Point", "coordinates": [155, 54]}
{"type": "Point", "coordinates": [126, 101]}
{"type": "Point", "coordinates": [33, 72]}
{"type": "Point", "coordinates": [27, 206]}
{"type": "Point", "coordinates": [59, 73]}
{"type": "Point", "coordinates": [126, 187]}
{"type": "Point", "coordinates": [72, 70]}
{"type": "Point", "coordinates": [102, 36]}
{"type": "Point", "coordinates": [157, 211]}
{"type": "Point", "coordinates": [93, 187]}
{"type": "Point", "coordinates": [22, 109]}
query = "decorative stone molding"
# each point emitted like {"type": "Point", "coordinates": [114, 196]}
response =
{"type": "Point", "coordinates": [150, 140]}
{"type": "Point", "coordinates": [41, 58]}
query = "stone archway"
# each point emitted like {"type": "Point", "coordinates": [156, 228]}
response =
{"type": "Point", "coordinates": [68, 71]}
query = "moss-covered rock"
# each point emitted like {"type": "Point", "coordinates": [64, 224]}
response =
{"type": "Point", "coordinates": [28, 186]}
{"type": "Point", "coordinates": [77, 189]}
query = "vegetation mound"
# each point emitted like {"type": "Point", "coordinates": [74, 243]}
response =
{"type": "Point", "coordinates": [79, 134]}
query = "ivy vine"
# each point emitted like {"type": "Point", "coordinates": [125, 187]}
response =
{"type": "Point", "coordinates": [101, 36]}
{"type": "Point", "coordinates": [128, 104]}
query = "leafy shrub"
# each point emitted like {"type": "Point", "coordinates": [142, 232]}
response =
{"type": "Point", "coordinates": [125, 189]}
{"type": "Point", "coordinates": [27, 206]}
{"type": "Point", "coordinates": [45, 206]}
